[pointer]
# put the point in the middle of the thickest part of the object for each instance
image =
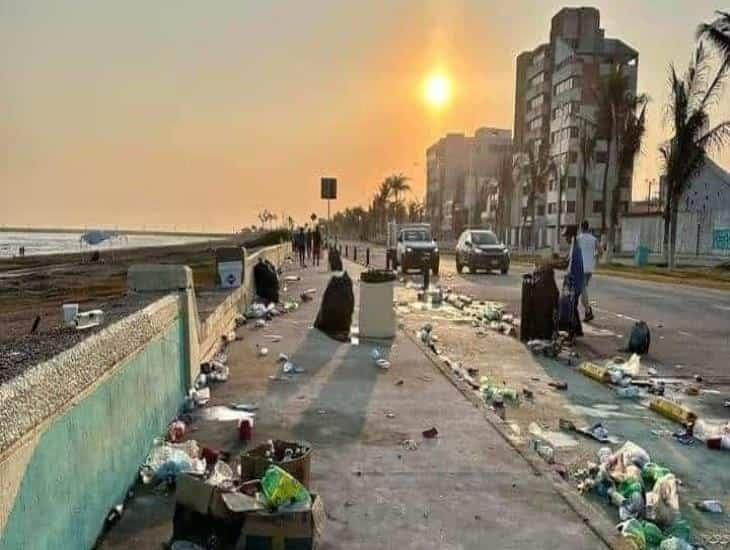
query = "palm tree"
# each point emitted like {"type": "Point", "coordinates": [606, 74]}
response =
{"type": "Point", "coordinates": [397, 184]}
{"type": "Point", "coordinates": [533, 168]}
{"type": "Point", "coordinates": [616, 105]}
{"type": "Point", "coordinates": [560, 175]}
{"type": "Point", "coordinates": [717, 35]}
{"type": "Point", "coordinates": [686, 153]}
{"type": "Point", "coordinates": [587, 145]}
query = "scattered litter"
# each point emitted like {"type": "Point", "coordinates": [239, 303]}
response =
{"type": "Point", "coordinates": [167, 460]}
{"type": "Point", "coordinates": [555, 439]}
{"type": "Point", "coordinates": [712, 506]}
{"type": "Point", "coordinates": [544, 450]}
{"type": "Point", "coordinates": [389, 415]}
{"type": "Point", "coordinates": [399, 382]}
{"type": "Point", "coordinates": [283, 358]}
{"type": "Point", "coordinates": [558, 385]}
{"type": "Point", "coordinates": [260, 323]}
{"type": "Point", "coordinates": [176, 431]}
{"type": "Point", "coordinates": [597, 431]}
{"type": "Point", "coordinates": [409, 444]}
{"type": "Point", "coordinates": [292, 278]}
{"type": "Point", "coordinates": [290, 368]}
{"type": "Point", "coordinates": [229, 337]}
{"type": "Point", "coordinates": [223, 413]}
{"type": "Point", "coordinates": [383, 364]}
{"type": "Point", "coordinates": [273, 337]}
{"type": "Point", "coordinates": [263, 352]}
{"type": "Point", "coordinates": [430, 433]}
{"type": "Point", "coordinates": [245, 407]}
{"type": "Point", "coordinates": [200, 396]}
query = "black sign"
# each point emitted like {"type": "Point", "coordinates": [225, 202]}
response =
{"type": "Point", "coordinates": [329, 188]}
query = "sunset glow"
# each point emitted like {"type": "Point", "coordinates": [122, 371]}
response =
{"type": "Point", "coordinates": [437, 90]}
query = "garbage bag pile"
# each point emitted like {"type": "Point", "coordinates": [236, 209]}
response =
{"type": "Point", "coordinates": [168, 460]}
{"type": "Point", "coordinates": [645, 493]}
{"type": "Point", "coordinates": [335, 312]}
{"type": "Point", "coordinates": [266, 281]}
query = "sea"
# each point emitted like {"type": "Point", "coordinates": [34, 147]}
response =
{"type": "Point", "coordinates": [54, 243]}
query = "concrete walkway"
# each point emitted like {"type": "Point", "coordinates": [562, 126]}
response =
{"type": "Point", "coordinates": [466, 489]}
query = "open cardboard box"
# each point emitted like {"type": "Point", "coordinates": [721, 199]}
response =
{"type": "Point", "coordinates": [264, 530]}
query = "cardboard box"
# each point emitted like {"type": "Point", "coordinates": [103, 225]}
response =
{"type": "Point", "coordinates": [196, 495]}
{"type": "Point", "coordinates": [263, 530]}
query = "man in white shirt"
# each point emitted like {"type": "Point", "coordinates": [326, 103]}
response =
{"type": "Point", "coordinates": [589, 250]}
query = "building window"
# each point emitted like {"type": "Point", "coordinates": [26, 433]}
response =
{"type": "Point", "coordinates": [540, 209]}
{"type": "Point", "coordinates": [574, 132]}
{"type": "Point", "coordinates": [551, 208]}
{"type": "Point", "coordinates": [534, 124]}
{"type": "Point", "coordinates": [597, 207]}
{"type": "Point", "coordinates": [601, 157]}
{"type": "Point", "coordinates": [567, 84]}
{"type": "Point", "coordinates": [570, 207]}
{"type": "Point", "coordinates": [539, 78]}
{"type": "Point", "coordinates": [573, 156]}
{"type": "Point", "coordinates": [535, 102]}
{"type": "Point", "coordinates": [572, 181]}
{"type": "Point", "coordinates": [624, 207]}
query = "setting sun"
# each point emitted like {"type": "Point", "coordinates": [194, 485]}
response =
{"type": "Point", "coordinates": [437, 90]}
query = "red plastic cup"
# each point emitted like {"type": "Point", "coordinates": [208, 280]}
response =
{"type": "Point", "coordinates": [245, 429]}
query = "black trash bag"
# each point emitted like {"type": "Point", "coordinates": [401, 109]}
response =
{"type": "Point", "coordinates": [539, 305]}
{"type": "Point", "coordinates": [639, 339]}
{"type": "Point", "coordinates": [338, 303]}
{"type": "Point", "coordinates": [335, 260]}
{"type": "Point", "coordinates": [266, 281]}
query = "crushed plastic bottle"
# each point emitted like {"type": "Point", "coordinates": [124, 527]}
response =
{"type": "Point", "coordinates": [712, 506]}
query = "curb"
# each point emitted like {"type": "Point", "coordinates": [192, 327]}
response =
{"type": "Point", "coordinates": [592, 518]}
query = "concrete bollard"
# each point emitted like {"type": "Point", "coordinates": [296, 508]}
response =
{"type": "Point", "coordinates": [354, 253]}
{"type": "Point", "coordinates": [426, 275]}
{"type": "Point", "coordinates": [387, 260]}
{"type": "Point", "coordinates": [346, 251]}
{"type": "Point", "coordinates": [367, 256]}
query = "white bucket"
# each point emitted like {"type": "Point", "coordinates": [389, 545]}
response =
{"type": "Point", "coordinates": [70, 311]}
{"type": "Point", "coordinates": [89, 319]}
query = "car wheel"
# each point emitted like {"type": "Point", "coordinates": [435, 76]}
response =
{"type": "Point", "coordinates": [472, 269]}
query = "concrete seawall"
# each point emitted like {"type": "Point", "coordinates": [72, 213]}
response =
{"type": "Point", "coordinates": [75, 429]}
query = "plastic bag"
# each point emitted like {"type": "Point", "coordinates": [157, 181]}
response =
{"type": "Point", "coordinates": [662, 502]}
{"type": "Point", "coordinates": [674, 543]}
{"type": "Point", "coordinates": [652, 473]}
{"type": "Point", "coordinates": [633, 454]}
{"type": "Point", "coordinates": [166, 461]}
{"type": "Point", "coordinates": [279, 487]}
{"type": "Point", "coordinates": [634, 531]}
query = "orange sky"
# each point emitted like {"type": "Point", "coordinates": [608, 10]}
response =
{"type": "Point", "coordinates": [198, 115]}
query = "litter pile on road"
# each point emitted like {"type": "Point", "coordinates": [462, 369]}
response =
{"type": "Point", "coordinates": [645, 493]}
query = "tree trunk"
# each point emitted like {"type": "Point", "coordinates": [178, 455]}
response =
{"type": "Point", "coordinates": [533, 224]}
{"type": "Point", "coordinates": [673, 237]}
{"type": "Point", "coordinates": [610, 243]}
{"type": "Point", "coordinates": [665, 242]}
{"type": "Point", "coordinates": [604, 191]}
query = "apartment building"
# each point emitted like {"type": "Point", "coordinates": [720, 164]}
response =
{"type": "Point", "coordinates": [556, 105]}
{"type": "Point", "coordinates": [461, 175]}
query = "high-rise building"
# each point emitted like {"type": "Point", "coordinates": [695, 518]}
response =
{"type": "Point", "coordinates": [460, 175]}
{"type": "Point", "coordinates": [556, 106]}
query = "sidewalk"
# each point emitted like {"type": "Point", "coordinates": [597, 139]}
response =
{"type": "Point", "coordinates": [466, 489]}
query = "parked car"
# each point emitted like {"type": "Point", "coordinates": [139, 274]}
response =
{"type": "Point", "coordinates": [480, 249]}
{"type": "Point", "coordinates": [410, 245]}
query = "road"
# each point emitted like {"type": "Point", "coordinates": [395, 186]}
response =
{"type": "Point", "coordinates": [690, 326]}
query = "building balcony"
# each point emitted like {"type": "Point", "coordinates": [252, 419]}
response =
{"type": "Point", "coordinates": [543, 88]}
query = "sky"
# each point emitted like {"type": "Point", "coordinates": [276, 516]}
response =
{"type": "Point", "coordinates": [193, 115]}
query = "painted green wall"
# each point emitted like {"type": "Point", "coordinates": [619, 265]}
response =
{"type": "Point", "coordinates": [87, 458]}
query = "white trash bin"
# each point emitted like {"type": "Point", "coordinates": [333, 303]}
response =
{"type": "Point", "coordinates": [376, 315]}
{"type": "Point", "coordinates": [230, 274]}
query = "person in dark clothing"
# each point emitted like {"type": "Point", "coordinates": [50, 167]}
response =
{"type": "Point", "coordinates": [301, 239]}
{"type": "Point", "coordinates": [316, 245]}
{"type": "Point", "coordinates": [573, 287]}
{"type": "Point", "coordinates": [309, 244]}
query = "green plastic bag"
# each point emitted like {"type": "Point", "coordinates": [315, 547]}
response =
{"type": "Point", "coordinates": [280, 487]}
{"type": "Point", "coordinates": [634, 531]}
{"type": "Point", "coordinates": [629, 487]}
{"type": "Point", "coordinates": [652, 473]}
{"type": "Point", "coordinates": [679, 529]}
{"type": "Point", "coordinates": [652, 534]}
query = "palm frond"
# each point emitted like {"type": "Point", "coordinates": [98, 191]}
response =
{"type": "Point", "coordinates": [717, 34]}
{"type": "Point", "coordinates": [716, 138]}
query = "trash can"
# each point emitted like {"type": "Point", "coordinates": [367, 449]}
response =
{"type": "Point", "coordinates": [377, 317]}
{"type": "Point", "coordinates": [230, 266]}
{"type": "Point", "coordinates": [641, 256]}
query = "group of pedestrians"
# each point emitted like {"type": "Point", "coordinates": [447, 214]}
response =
{"type": "Point", "coordinates": [307, 245]}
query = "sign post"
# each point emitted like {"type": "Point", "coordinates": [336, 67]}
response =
{"type": "Point", "coordinates": [329, 192]}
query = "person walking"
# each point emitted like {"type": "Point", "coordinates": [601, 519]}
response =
{"type": "Point", "coordinates": [568, 316]}
{"type": "Point", "coordinates": [316, 245]}
{"type": "Point", "coordinates": [588, 245]}
{"type": "Point", "coordinates": [309, 243]}
{"type": "Point", "coordinates": [301, 240]}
